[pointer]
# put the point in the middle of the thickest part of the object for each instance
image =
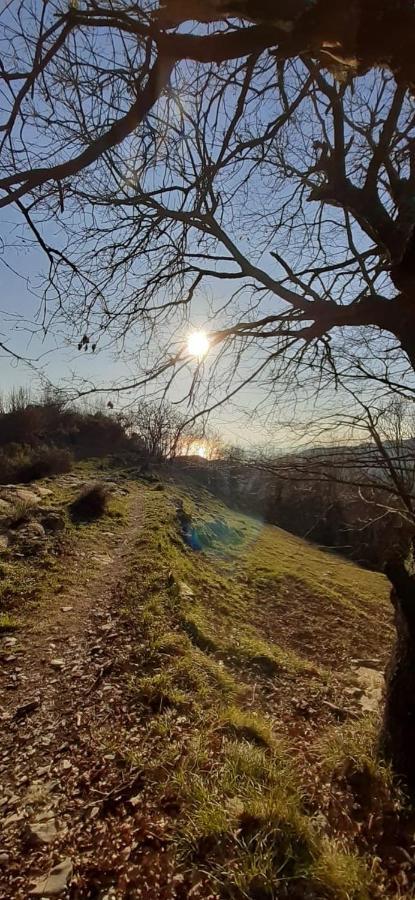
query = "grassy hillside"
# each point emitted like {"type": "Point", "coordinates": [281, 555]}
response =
{"type": "Point", "coordinates": [254, 745]}
{"type": "Point", "coordinates": [237, 713]}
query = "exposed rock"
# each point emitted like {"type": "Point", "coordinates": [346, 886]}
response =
{"type": "Point", "coordinates": [32, 529]}
{"type": "Point", "coordinates": [185, 591]}
{"type": "Point", "coordinates": [44, 492]}
{"type": "Point", "coordinates": [30, 538]}
{"type": "Point", "coordinates": [53, 884]}
{"type": "Point", "coordinates": [66, 609]}
{"type": "Point", "coordinates": [372, 684]}
{"type": "Point", "coordinates": [53, 521]}
{"type": "Point", "coordinates": [355, 692]}
{"type": "Point", "coordinates": [57, 663]}
{"type": "Point", "coordinates": [38, 833]}
{"type": "Point", "coordinates": [26, 496]}
{"type": "Point", "coordinates": [4, 859]}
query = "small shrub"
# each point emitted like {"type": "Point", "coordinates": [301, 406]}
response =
{"type": "Point", "coordinates": [11, 459]}
{"type": "Point", "coordinates": [19, 463]}
{"type": "Point", "coordinates": [91, 502]}
{"type": "Point", "coordinates": [45, 461]}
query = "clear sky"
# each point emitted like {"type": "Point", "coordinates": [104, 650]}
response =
{"type": "Point", "coordinates": [56, 357]}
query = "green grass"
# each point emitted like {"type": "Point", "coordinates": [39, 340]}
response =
{"type": "Point", "coordinates": [242, 816]}
{"type": "Point", "coordinates": [211, 651]}
{"type": "Point", "coordinates": [39, 580]}
{"type": "Point", "coordinates": [342, 873]}
{"type": "Point", "coordinates": [8, 623]}
{"type": "Point", "coordinates": [272, 557]}
{"type": "Point", "coordinates": [349, 752]}
{"type": "Point", "coordinates": [247, 726]}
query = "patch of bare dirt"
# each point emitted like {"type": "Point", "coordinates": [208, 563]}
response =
{"type": "Point", "coordinates": [322, 630]}
{"type": "Point", "coordinates": [74, 818]}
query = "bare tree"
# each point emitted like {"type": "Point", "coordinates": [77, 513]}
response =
{"type": "Point", "coordinates": [288, 195]}
{"type": "Point", "coordinates": [48, 42]}
{"type": "Point", "coordinates": [160, 428]}
{"type": "Point", "coordinates": [156, 140]}
{"type": "Point", "coordinates": [244, 157]}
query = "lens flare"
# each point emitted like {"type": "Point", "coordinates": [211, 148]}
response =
{"type": "Point", "coordinates": [198, 344]}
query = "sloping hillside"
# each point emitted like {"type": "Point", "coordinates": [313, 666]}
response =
{"type": "Point", "coordinates": [221, 740]}
{"type": "Point", "coordinates": [255, 646]}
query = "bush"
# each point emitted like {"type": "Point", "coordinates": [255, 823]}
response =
{"type": "Point", "coordinates": [45, 461]}
{"type": "Point", "coordinates": [91, 503]}
{"type": "Point", "coordinates": [19, 463]}
{"type": "Point", "coordinates": [10, 462]}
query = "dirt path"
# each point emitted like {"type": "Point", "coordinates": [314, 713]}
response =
{"type": "Point", "coordinates": [62, 688]}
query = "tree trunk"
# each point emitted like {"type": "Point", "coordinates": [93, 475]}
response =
{"type": "Point", "coordinates": [398, 729]}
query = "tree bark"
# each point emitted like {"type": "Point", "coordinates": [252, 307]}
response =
{"type": "Point", "coordinates": [398, 728]}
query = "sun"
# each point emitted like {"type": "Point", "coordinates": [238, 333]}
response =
{"type": "Point", "coordinates": [201, 450]}
{"type": "Point", "coordinates": [198, 344]}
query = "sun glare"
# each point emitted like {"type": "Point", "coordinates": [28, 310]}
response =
{"type": "Point", "coordinates": [198, 344]}
{"type": "Point", "coordinates": [201, 450]}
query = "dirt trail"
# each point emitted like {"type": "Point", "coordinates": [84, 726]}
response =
{"type": "Point", "coordinates": [62, 701]}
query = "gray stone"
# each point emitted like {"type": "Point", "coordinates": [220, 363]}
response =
{"type": "Point", "coordinates": [57, 663]}
{"type": "Point", "coordinates": [32, 530]}
{"type": "Point", "coordinates": [44, 492]}
{"type": "Point", "coordinates": [371, 684]}
{"type": "Point", "coordinates": [53, 884]}
{"type": "Point", "coordinates": [38, 833]}
{"type": "Point", "coordinates": [4, 858]}
{"type": "Point", "coordinates": [53, 521]}
{"type": "Point", "coordinates": [185, 591]}
{"type": "Point", "coordinates": [26, 496]}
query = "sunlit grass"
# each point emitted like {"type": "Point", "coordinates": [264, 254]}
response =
{"type": "Point", "coordinates": [241, 804]}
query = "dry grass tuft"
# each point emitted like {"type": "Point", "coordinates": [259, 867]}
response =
{"type": "Point", "coordinates": [91, 502]}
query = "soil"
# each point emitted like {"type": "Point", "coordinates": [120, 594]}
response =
{"type": "Point", "coordinates": [61, 679]}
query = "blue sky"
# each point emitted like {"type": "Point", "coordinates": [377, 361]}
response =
{"type": "Point", "coordinates": [57, 358]}
{"type": "Point", "coordinates": [56, 354]}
